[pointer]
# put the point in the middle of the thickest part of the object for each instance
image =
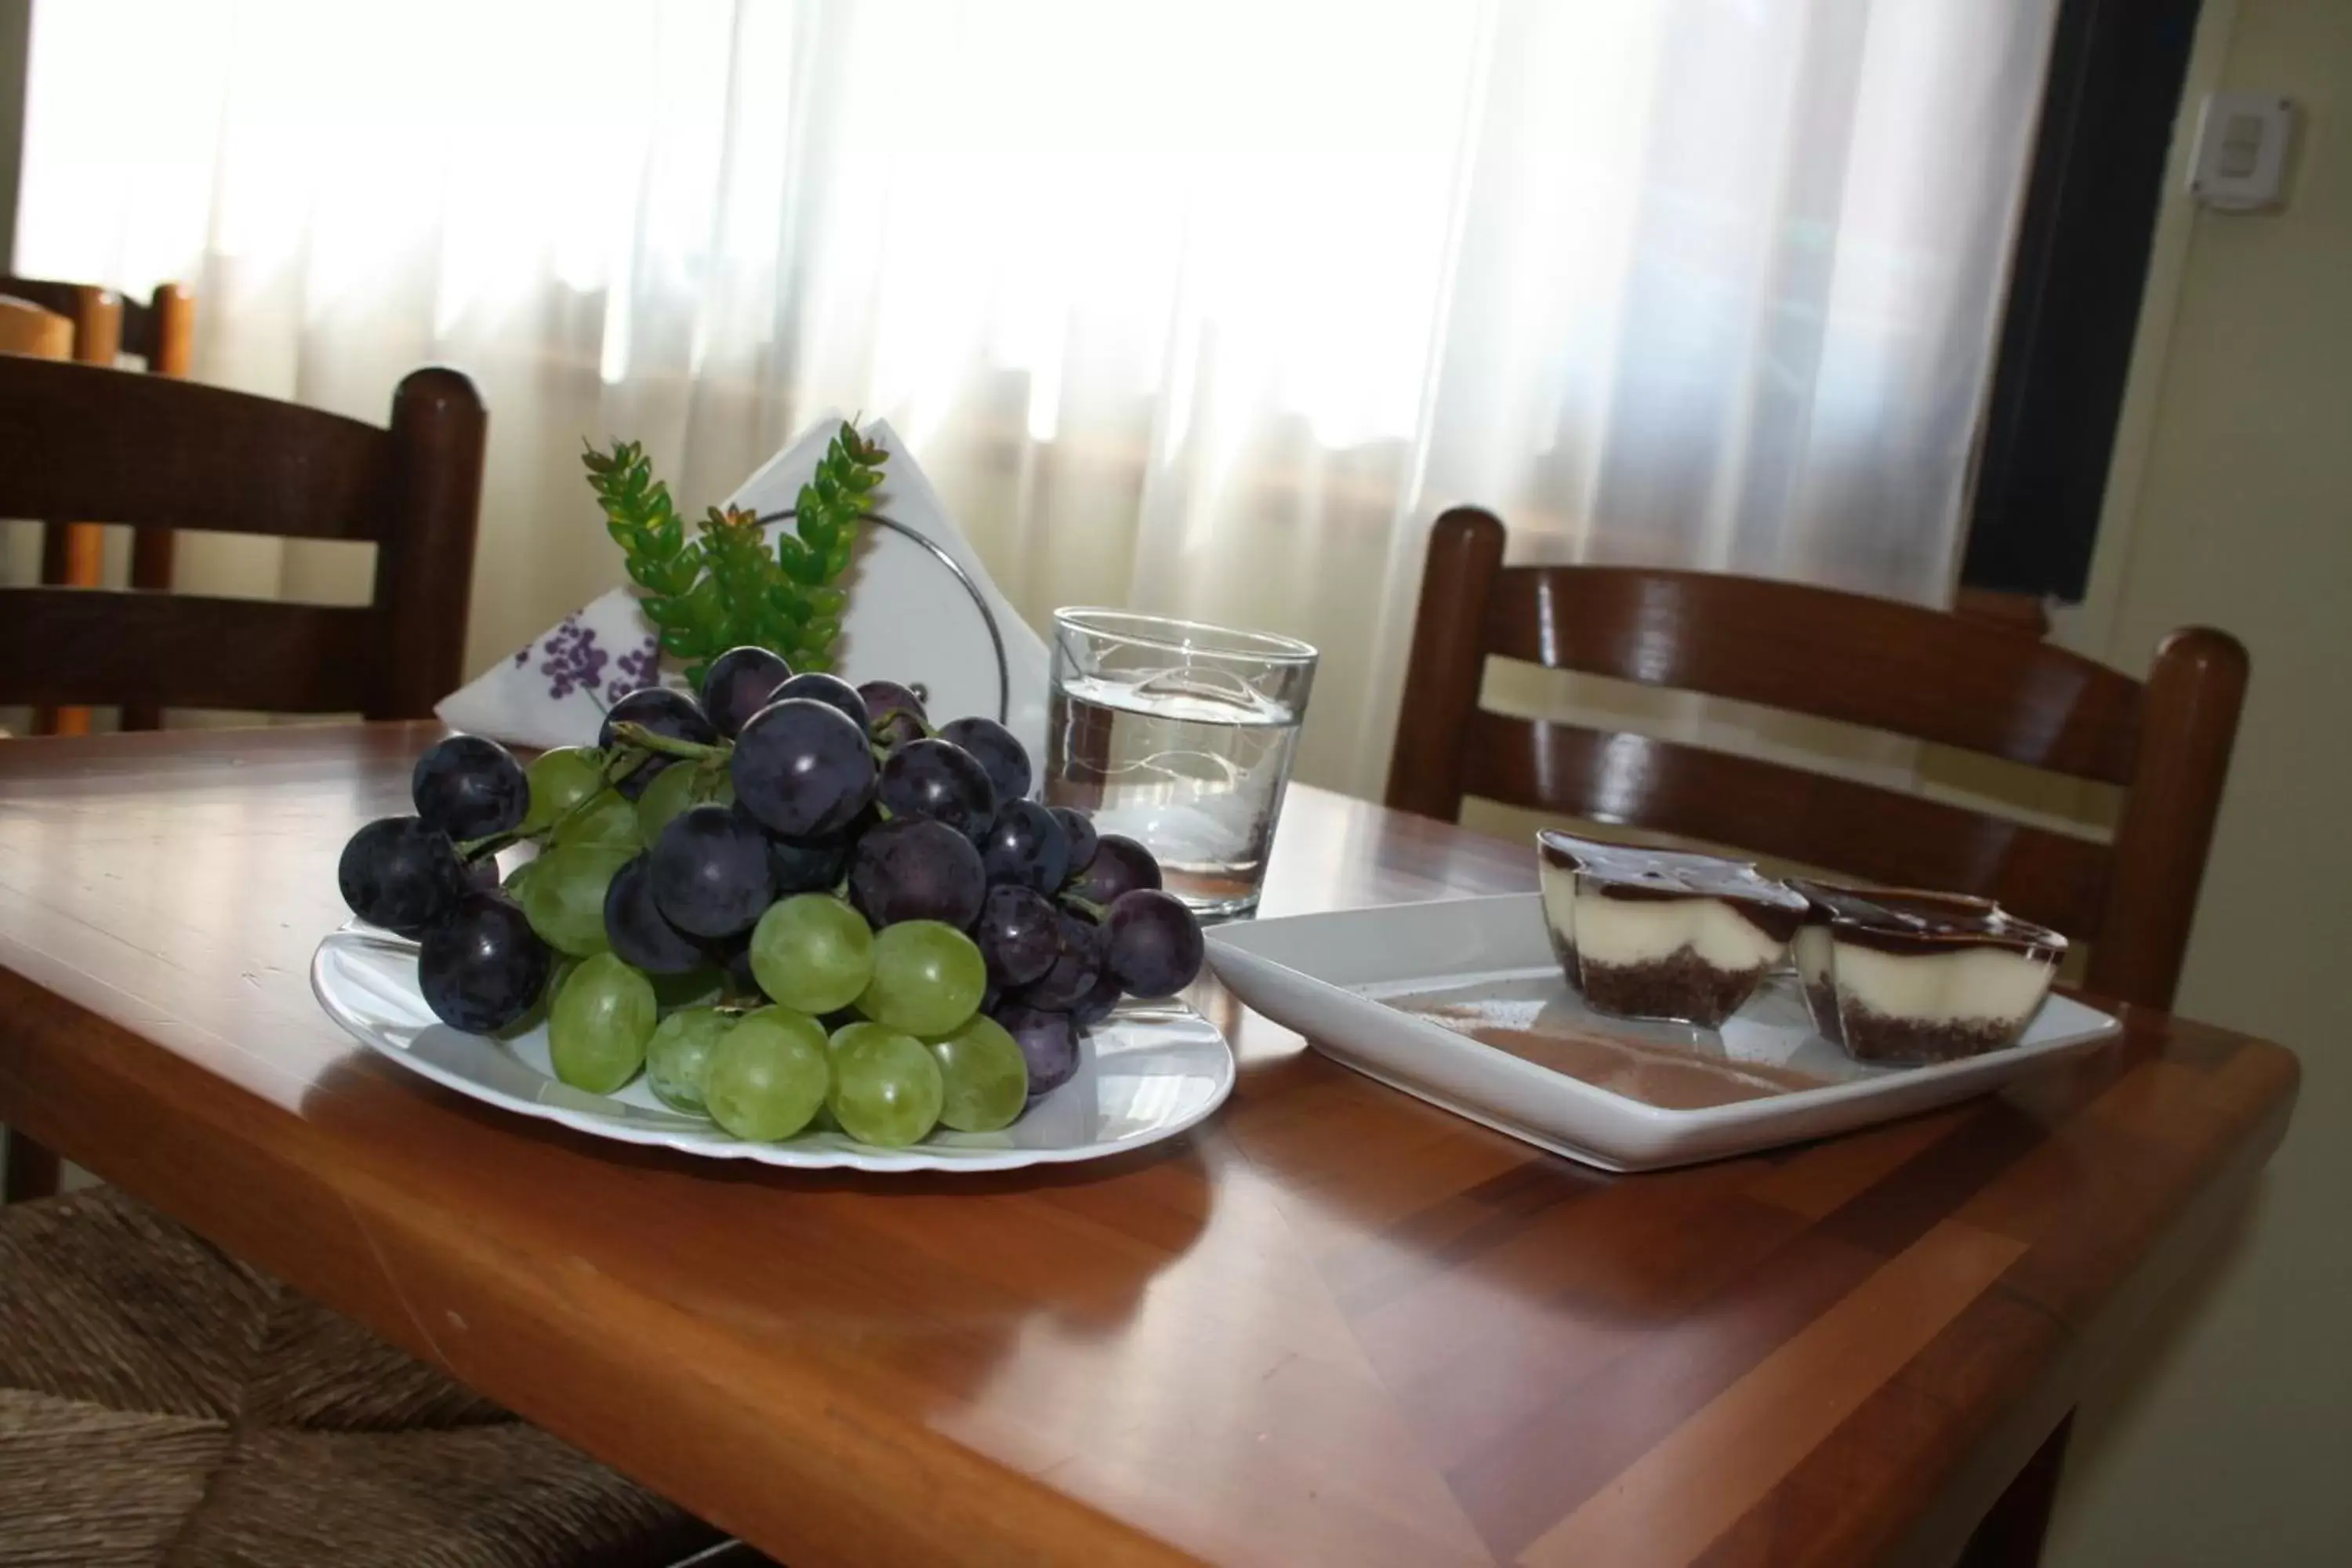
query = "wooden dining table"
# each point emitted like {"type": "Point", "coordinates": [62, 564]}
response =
{"type": "Point", "coordinates": [1332, 1324]}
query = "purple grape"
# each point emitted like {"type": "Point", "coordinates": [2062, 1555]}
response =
{"type": "Point", "coordinates": [1019, 934]}
{"type": "Point", "coordinates": [469, 788]}
{"type": "Point", "coordinates": [1119, 866]}
{"type": "Point", "coordinates": [709, 871]}
{"type": "Point", "coordinates": [738, 683]}
{"type": "Point", "coordinates": [912, 868]}
{"type": "Point", "coordinates": [1048, 1042]}
{"type": "Point", "coordinates": [895, 713]}
{"type": "Point", "coordinates": [402, 874]}
{"type": "Point", "coordinates": [997, 751]}
{"type": "Point", "coordinates": [484, 875]}
{"type": "Point", "coordinates": [664, 709]}
{"type": "Point", "coordinates": [830, 689]}
{"type": "Point", "coordinates": [809, 865]}
{"type": "Point", "coordinates": [1097, 1004]}
{"type": "Point", "coordinates": [640, 933]}
{"type": "Point", "coordinates": [940, 780]}
{"type": "Point", "coordinates": [1026, 846]}
{"type": "Point", "coordinates": [483, 968]}
{"type": "Point", "coordinates": [1155, 945]}
{"type": "Point", "coordinates": [1081, 829]}
{"type": "Point", "coordinates": [802, 768]}
{"type": "Point", "coordinates": [1074, 970]}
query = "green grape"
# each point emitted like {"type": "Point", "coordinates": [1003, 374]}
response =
{"type": "Point", "coordinates": [927, 978]}
{"type": "Point", "coordinates": [674, 789]}
{"type": "Point", "coordinates": [608, 820]}
{"type": "Point", "coordinates": [678, 1056]}
{"type": "Point", "coordinates": [598, 1030]}
{"type": "Point", "coordinates": [812, 952]}
{"type": "Point", "coordinates": [515, 878]}
{"type": "Point", "coordinates": [560, 780]}
{"type": "Point", "coordinates": [887, 1090]}
{"type": "Point", "coordinates": [768, 1076]}
{"type": "Point", "coordinates": [849, 1035]}
{"type": "Point", "coordinates": [985, 1075]}
{"type": "Point", "coordinates": [563, 897]}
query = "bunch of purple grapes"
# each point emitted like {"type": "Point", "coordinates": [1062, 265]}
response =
{"type": "Point", "coordinates": [788, 849]}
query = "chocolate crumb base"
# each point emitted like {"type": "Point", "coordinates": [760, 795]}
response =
{"type": "Point", "coordinates": [1682, 987]}
{"type": "Point", "coordinates": [1875, 1036]}
{"type": "Point", "coordinates": [1820, 1002]}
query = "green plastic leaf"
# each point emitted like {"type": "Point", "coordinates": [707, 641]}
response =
{"type": "Point", "coordinates": [720, 585]}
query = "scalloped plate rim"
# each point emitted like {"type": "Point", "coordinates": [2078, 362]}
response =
{"type": "Point", "coordinates": [710, 1143]}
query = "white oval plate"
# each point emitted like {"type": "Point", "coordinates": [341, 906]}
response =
{"type": "Point", "coordinates": [1148, 1072]}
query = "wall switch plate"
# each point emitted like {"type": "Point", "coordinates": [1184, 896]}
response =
{"type": "Point", "coordinates": [2242, 141]}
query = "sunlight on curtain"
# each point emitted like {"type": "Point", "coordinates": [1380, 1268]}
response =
{"type": "Point", "coordinates": [1204, 308]}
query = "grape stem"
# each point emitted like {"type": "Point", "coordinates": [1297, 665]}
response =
{"type": "Point", "coordinates": [625, 762]}
{"type": "Point", "coordinates": [473, 849]}
{"type": "Point", "coordinates": [670, 746]}
{"type": "Point", "coordinates": [1087, 907]}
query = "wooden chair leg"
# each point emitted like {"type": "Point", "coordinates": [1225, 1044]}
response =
{"type": "Point", "coordinates": [31, 1172]}
{"type": "Point", "coordinates": [2010, 1535]}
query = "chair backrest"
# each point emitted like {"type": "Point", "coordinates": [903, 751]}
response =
{"type": "Point", "coordinates": [163, 330]}
{"type": "Point", "coordinates": [1872, 662]}
{"type": "Point", "coordinates": [28, 328]}
{"type": "Point", "coordinates": [112, 445]}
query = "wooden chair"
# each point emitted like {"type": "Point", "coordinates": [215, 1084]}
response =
{"type": "Point", "coordinates": [115, 446]}
{"type": "Point", "coordinates": [1949, 679]}
{"type": "Point", "coordinates": [156, 1393]}
{"type": "Point", "coordinates": [163, 331]}
{"type": "Point", "coordinates": [1891, 666]}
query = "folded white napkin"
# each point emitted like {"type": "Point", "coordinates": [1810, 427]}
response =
{"type": "Point", "coordinates": [912, 619]}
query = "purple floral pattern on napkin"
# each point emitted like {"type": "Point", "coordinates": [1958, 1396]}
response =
{"type": "Point", "coordinates": [574, 660]}
{"type": "Point", "coordinates": [635, 669]}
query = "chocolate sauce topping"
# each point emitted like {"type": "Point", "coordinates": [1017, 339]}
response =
{"type": "Point", "coordinates": [1632, 871]}
{"type": "Point", "coordinates": [1909, 921]}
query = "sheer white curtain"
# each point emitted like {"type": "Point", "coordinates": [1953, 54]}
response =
{"type": "Point", "coordinates": [1197, 307]}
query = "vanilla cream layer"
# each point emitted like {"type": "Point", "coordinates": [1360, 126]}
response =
{"type": "Point", "coordinates": [1966, 984]}
{"type": "Point", "coordinates": [1646, 931]}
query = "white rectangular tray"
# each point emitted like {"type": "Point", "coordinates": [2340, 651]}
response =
{"type": "Point", "coordinates": [1324, 975]}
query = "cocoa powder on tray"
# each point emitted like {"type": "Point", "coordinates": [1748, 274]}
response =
{"type": "Point", "coordinates": [1670, 1077]}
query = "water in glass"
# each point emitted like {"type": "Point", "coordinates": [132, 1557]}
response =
{"type": "Point", "coordinates": [1190, 760]}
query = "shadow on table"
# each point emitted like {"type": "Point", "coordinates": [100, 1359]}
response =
{"type": "Point", "coordinates": [1081, 1243]}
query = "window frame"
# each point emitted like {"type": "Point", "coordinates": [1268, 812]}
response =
{"type": "Point", "coordinates": [2094, 187]}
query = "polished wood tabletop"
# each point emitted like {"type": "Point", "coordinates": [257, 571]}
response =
{"type": "Point", "coordinates": [1331, 1325]}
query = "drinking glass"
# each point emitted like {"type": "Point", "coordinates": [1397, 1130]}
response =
{"type": "Point", "coordinates": [1179, 735]}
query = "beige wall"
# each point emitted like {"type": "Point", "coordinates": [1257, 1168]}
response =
{"type": "Point", "coordinates": [2227, 1438]}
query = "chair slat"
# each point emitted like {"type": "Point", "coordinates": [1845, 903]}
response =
{"type": "Point", "coordinates": [1875, 662]}
{"type": "Point", "coordinates": [97, 647]}
{"type": "Point", "coordinates": [101, 446]}
{"type": "Point", "coordinates": [1866, 832]}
